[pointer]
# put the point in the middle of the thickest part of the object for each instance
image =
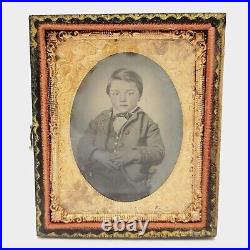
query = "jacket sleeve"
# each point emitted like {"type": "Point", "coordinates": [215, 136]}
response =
{"type": "Point", "coordinates": [86, 145]}
{"type": "Point", "coordinates": [154, 151]}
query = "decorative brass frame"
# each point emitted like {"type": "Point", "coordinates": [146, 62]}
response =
{"type": "Point", "coordinates": [50, 222]}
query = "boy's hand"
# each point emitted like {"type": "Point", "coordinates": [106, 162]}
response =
{"type": "Point", "coordinates": [104, 158]}
{"type": "Point", "coordinates": [125, 157]}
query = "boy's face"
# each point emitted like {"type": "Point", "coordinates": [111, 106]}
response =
{"type": "Point", "coordinates": [124, 95]}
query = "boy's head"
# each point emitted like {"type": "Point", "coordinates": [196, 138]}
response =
{"type": "Point", "coordinates": [124, 89]}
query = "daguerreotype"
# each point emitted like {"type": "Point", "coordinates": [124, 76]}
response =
{"type": "Point", "coordinates": [126, 124]}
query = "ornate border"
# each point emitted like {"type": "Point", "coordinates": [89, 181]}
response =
{"type": "Point", "coordinates": [199, 21]}
{"type": "Point", "coordinates": [197, 39]}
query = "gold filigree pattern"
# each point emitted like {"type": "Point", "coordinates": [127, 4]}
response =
{"type": "Point", "coordinates": [196, 39]}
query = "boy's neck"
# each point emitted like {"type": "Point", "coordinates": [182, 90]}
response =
{"type": "Point", "coordinates": [115, 112]}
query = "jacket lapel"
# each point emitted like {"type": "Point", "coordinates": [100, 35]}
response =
{"type": "Point", "coordinates": [133, 118]}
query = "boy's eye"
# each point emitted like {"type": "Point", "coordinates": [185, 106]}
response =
{"type": "Point", "coordinates": [114, 93]}
{"type": "Point", "coordinates": [131, 93]}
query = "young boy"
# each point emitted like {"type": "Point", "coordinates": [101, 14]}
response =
{"type": "Point", "coordinates": [122, 143]}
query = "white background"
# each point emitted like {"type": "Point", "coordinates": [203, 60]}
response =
{"type": "Point", "coordinates": [18, 175]}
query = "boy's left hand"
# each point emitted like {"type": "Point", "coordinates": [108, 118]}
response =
{"type": "Point", "coordinates": [125, 157]}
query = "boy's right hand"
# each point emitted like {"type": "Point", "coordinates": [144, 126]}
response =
{"type": "Point", "coordinates": [104, 158]}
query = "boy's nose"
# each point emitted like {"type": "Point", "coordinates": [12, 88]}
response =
{"type": "Point", "coordinates": [123, 98]}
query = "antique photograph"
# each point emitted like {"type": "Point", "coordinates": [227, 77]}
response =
{"type": "Point", "coordinates": [120, 124]}
{"type": "Point", "coordinates": [126, 126]}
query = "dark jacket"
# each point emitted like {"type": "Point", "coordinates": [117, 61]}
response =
{"type": "Point", "coordinates": [140, 133]}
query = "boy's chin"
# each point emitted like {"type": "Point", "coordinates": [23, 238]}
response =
{"type": "Point", "coordinates": [124, 109]}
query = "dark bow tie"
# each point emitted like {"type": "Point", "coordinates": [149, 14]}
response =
{"type": "Point", "coordinates": [127, 115]}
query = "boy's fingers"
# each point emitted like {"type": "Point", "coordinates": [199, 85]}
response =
{"type": "Point", "coordinates": [118, 152]}
{"type": "Point", "coordinates": [117, 163]}
{"type": "Point", "coordinates": [111, 165]}
{"type": "Point", "coordinates": [115, 153]}
{"type": "Point", "coordinates": [115, 156]}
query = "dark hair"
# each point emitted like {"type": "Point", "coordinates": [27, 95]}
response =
{"type": "Point", "coordinates": [126, 75]}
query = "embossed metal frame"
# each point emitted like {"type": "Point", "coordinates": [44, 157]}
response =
{"type": "Point", "coordinates": [52, 221]}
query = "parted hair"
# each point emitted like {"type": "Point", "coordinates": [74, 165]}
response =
{"type": "Point", "coordinates": [126, 75]}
